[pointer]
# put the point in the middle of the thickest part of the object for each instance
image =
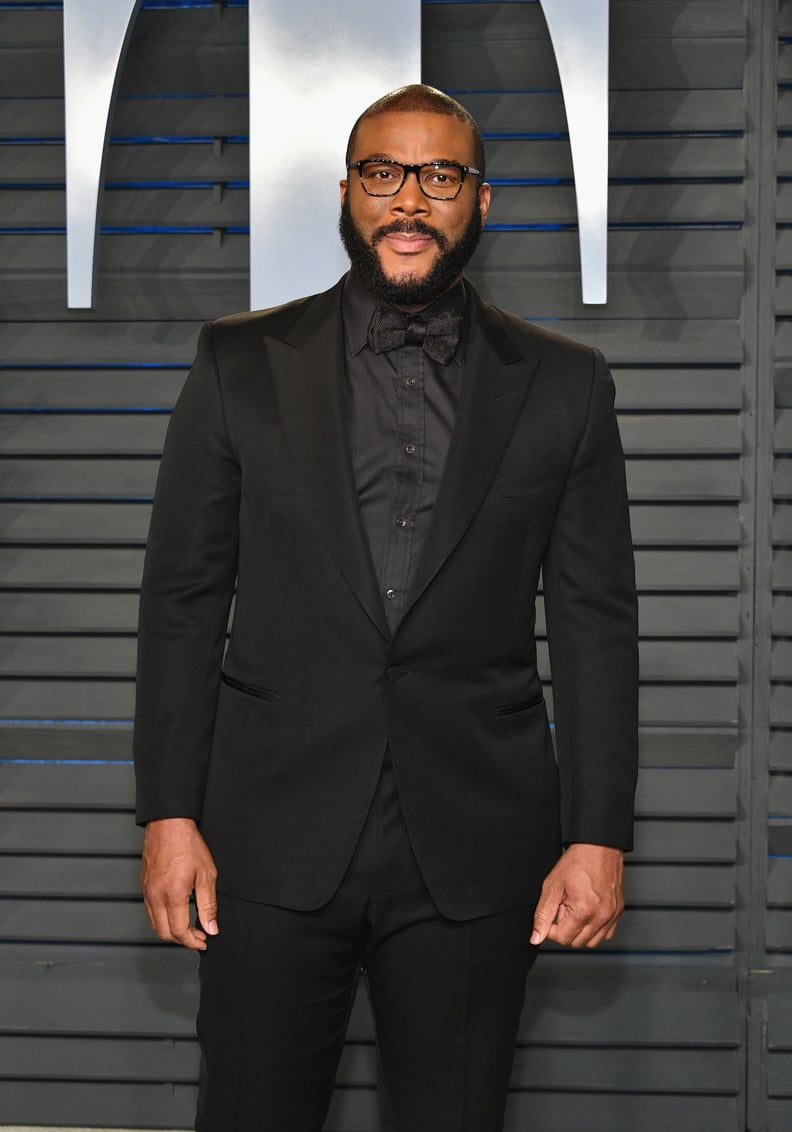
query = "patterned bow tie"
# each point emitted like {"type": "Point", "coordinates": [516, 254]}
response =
{"type": "Point", "coordinates": [389, 329]}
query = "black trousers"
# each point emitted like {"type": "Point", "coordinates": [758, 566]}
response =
{"type": "Point", "coordinates": [277, 988]}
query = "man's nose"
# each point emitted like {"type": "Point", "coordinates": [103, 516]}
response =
{"type": "Point", "coordinates": [410, 199]}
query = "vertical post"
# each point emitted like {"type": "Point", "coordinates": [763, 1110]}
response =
{"type": "Point", "coordinates": [579, 34]}
{"type": "Point", "coordinates": [314, 66]}
{"type": "Point", "coordinates": [95, 37]}
{"type": "Point", "coordinates": [761, 99]}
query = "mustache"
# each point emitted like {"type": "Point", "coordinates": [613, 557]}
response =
{"type": "Point", "coordinates": [409, 228]}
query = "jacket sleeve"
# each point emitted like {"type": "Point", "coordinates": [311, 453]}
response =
{"type": "Point", "coordinates": [592, 627]}
{"type": "Point", "coordinates": [188, 583]}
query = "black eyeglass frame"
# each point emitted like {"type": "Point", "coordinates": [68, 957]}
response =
{"type": "Point", "coordinates": [416, 169]}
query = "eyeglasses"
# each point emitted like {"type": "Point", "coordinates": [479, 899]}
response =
{"type": "Point", "coordinates": [438, 180]}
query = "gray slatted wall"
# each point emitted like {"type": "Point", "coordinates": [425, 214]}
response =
{"type": "Point", "coordinates": [665, 1027]}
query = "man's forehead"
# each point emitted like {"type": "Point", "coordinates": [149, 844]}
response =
{"type": "Point", "coordinates": [414, 132]}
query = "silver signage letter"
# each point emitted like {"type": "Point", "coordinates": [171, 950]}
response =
{"type": "Point", "coordinates": [95, 36]}
{"type": "Point", "coordinates": [579, 34]}
{"type": "Point", "coordinates": [314, 66]}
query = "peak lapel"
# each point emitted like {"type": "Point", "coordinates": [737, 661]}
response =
{"type": "Point", "coordinates": [496, 381]}
{"type": "Point", "coordinates": [307, 367]}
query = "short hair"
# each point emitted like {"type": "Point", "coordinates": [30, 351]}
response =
{"type": "Point", "coordinates": [421, 99]}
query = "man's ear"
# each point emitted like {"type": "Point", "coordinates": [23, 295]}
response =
{"type": "Point", "coordinates": [343, 186]}
{"type": "Point", "coordinates": [484, 199]}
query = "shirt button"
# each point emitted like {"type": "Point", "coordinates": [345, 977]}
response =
{"type": "Point", "coordinates": [409, 449]}
{"type": "Point", "coordinates": [390, 594]}
{"type": "Point", "coordinates": [401, 521]}
{"type": "Point", "coordinates": [410, 383]}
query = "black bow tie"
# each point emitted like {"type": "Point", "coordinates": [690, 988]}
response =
{"type": "Point", "coordinates": [389, 329]}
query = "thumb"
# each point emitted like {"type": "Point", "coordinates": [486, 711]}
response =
{"type": "Point", "coordinates": [546, 912]}
{"type": "Point", "coordinates": [206, 905]}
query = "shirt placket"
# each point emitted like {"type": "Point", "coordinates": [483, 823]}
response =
{"type": "Point", "coordinates": [408, 456]}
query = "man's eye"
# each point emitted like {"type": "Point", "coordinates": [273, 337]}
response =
{"type": "Point", "coordinates": [382, 173]}
{"type": "Point", "coordinates": [442, 176]}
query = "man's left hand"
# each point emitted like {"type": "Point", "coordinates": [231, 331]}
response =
{"type": "Point", "coordinates": [582, 897]}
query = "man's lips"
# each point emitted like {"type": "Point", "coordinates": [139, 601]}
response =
{"type": "Point", "coordinates": [409, 243]}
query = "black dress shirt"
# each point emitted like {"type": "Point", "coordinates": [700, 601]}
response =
{"type": "Point", "coordinates": [400, 411]}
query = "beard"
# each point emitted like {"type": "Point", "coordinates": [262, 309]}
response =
{"type": "Point", "coordinates": [409, 290]}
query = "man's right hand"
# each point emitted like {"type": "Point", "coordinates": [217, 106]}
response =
{"type": "Point", "coordinates": [176, 861]}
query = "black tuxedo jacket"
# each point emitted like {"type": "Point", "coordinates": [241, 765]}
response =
{"type": "Point", "coordinates": [275, 747]}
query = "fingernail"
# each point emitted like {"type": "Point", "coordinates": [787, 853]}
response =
{"type": "Point", "coordinates": [535, 938]}
{"type": "Point", "coordinates": [212, 928]}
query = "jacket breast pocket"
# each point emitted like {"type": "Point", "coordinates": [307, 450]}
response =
{"type": "Point", "coordinates": [255, 690]}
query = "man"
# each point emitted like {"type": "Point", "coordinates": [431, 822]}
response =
{"type": "Point", "coordinates": [383, 470]}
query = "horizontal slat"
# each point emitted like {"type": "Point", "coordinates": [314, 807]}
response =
{"type": "Point", "coordinates": [601, 1070]}
{"type": "Point", "coordinates": [111, 1104]}
{"type": "Point", "coordinates": [78, 479]}
{"type": "Point", "coordinates": [779, 1075]}
{"type": "Point", "coordinates": [100, 1059]}
{"type": "Point", "coordinates": [701, 705]}
{"type": "Point", "coordinates": [69, 612]}
{"type": "Point", "coordinates": [779, 801]}
{"type": "Point", "coordinates": [652, 525]}
{"type": "Point", "coordinates": [509, 112]}
{"type": "Point", "coordinates": [115, 568]}
{"type": "Point", "coordinates": [95, 742]}
{"type": "Point", "coordinates": [678, 747]}
{"type": "Point", "coordinates": [73, 523]}
{"type": "Point", "coordinates": [92, 787]}
{"type": "Point", "coordinates": [682, 569]}
{"type": "Point", "coordinates": [677, 435]}
{"type": "Point", "coordinates": [711, 62]}
{"type": "Point", "coordinates": [782, 524]}
{"type": "Point", "coordinates": [97, 434]}
{"type": "Point", "coordinates": [779, 838]}
{"type": "Point", "coordinates": [62, 568]}
{"type": "Point", "coordinates": [707, 389]}
{"type": "Point", "coordinates": [705, 842]}
{"type": "Point", "coordinates": [356, 1110]}
{"type": "Point", "coordinates": [91, 388]}
{"type": "Point", "coordinates": [681, 886]}
{"type": "Point", "coordinates": [109, 657]}
{"type": "Point", "coordinates": [778, 930]}
{"type": "Point", "coordinates": [191, 296]}
{"type": "Point", "coordinates": [229, 206]}
{"type": "Point", "coordinates": [782, 432]}
{"type": "Point", "coordinates": [662, 793]}
{"type": "Point", "coordinates": [82, 700]}
{"type": "Point", "coordinates": [779, 883]}
{"type": "Point", "coordinates": [545, 290]}
{"type": "Point", "coordinates": [631, 249]}
{"type": "Point", "coordinates": [125, 921]}
{"type": "Point", "coordinates": [93, 834]}
{"type": "Point", "coordinates": [781, 751]}
{"type": "Point", "coordinates": [782, 569]}
{"type": "Point", "coordinates": [572, 1003]}
{"type": "Point", "coordinates": [781, 660]}
{"type": "Point", "coordinates": [98, 343]}
{"type": "Point", "coordinates": [54, 876]}
{"type": "Point", "coordinates": [781, 706]}
{"type": "Point", "coordinates": [630, 19]}
{"type": "Point", "coordinates": [648, 479]}
{"type": "Point", "coordinates": [673, 793]}
{"type": "Point", "coordinates": [690, 525]}
{"type": "Point", "coordinates": [670, 886]}
{"type": "Point", "coordinates": [194, 162]}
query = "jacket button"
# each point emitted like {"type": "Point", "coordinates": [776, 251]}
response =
{"type": "Point", "coordinates": [395, 673]}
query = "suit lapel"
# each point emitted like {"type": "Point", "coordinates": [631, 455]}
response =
{"type": "Point", "coordinates": [496, 380]}
{"type": "Point", "coordinates": [307, 367]}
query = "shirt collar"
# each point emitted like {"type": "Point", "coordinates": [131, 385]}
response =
{"type": "Point", "coordinates": [359, 304]}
